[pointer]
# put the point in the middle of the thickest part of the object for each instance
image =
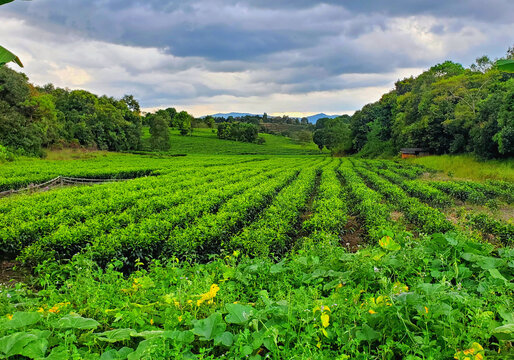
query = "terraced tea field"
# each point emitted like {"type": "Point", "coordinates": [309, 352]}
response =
{"type": "Point", "coordinates": [259, 257]}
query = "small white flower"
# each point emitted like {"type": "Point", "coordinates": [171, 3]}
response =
{"type": "Point", "coordinates": [376, 269]}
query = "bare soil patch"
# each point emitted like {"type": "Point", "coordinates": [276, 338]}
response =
{"type": "Point", "coordinates": [354, 235]}
{"type": "Point", "coordinates": [9, 276]}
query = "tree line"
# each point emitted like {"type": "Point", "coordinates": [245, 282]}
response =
{"type": "Point", "coordinates": [448, 109]}
{"type": "Point", "coordinates": [33, 117]}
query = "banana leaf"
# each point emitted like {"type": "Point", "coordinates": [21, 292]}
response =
{"type": "Point", "coordinates": [506, 65]}
{"type": "Point", "coordinates": [7, 56]}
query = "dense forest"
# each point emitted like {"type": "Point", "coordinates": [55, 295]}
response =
{"type": "Point", "coordinates": [32, 117]}
{"type": "Point", "coordinates": [448, 109]}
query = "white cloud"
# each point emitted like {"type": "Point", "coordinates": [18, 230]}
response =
{"type": "Point", "coordinates": [71, 75]}
{"type": "Point", "coordinates": [351, 61]}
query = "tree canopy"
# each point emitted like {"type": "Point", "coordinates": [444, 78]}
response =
{"type": "Point", "coordinates": [448, 109]}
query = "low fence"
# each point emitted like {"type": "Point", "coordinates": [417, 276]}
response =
{"type": "Point", "coordinates": [58, 181]}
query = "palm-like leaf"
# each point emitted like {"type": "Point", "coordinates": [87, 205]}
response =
{"type": "Point", "coordinates": [506, 65]}
{"type": "Point", "coordinates": [7, 56]}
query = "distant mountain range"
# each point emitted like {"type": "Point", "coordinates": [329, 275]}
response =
{"type": "Point", "coordinates": [312, 119]}
{"type": "Point", "coordinates": [233, 114]}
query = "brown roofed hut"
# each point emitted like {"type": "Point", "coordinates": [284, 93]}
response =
{"type": "Point", "coordinates": [413, 152]}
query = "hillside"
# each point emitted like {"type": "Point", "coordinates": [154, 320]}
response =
{"type": "Point", "coordinates": [205, 141]}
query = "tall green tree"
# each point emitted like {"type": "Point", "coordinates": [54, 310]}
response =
{"type": "Point", "coordinates": [159, 133]}
{"type": "Point", "coordinates": [183, 122]}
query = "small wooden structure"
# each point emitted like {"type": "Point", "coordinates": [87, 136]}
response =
{"type": "Point", "coordinates": [413, 152]}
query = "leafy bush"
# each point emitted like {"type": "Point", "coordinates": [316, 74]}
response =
{"type": "Point", "coordinates": [239, 131]}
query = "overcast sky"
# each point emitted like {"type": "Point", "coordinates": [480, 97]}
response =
{"type": "Point", "coordinates": [275, 56]}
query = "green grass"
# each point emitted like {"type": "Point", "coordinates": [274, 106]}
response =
{"type": "Point", "coordinates": [204, 141]}
{"type": "Point", "coordinates": [468, 167]}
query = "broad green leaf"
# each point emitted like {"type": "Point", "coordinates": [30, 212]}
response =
{"type": "Point", "coordinates": [186, 337]}
{"type": "Point", "coordinates": [145, 348]}
{"type": "Point", "coordinates": [226, 339]}
{"type": "Point", "coordinates": [505, 332]}
{"type": "Point", "coordinates": [7, 56]}
{"type": "Point", "coordinates": [109, 355]}
{"type": "Point", "coordinates": [278, 268]}
{"type": "Point", "coordinates": [117, 355]}
{"type": "Point", "coordinates": [58, 353]}
{"type": "Point", "coordinates": [367, 333]}
{"type": "Point", "coordinates": [450, 238]}
{"type": "Point", "coordinates": [506, 314]}
{"type": "Point", "coordinates": [506, 65]}
{"type": "Point", "coordinates": [208, 329]}
{"type": "Point", "coordinates": [149, 334]}
{"type": "Point", "coordinates": [238, 314]}
{"type": "Point", "coordinates": [21, 319]}
{"type": "Point", "coordinates": [74, 321]}
{"type": "Point", "coordinates": [30, 344]}
{"type": "Point", "coordinates": [2, 2]}
{"type": "Point", "coordinates": [496, 274]}
{"type": "Point", "coordinates": [113, 336]}
{"type": "Point", "coordinates": [388, 243]}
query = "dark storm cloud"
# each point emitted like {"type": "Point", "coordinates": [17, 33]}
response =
{"type": "Point", "coordinates": [273, 46]}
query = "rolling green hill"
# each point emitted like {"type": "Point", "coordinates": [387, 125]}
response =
{"type": "Point", "coordinates": [205, 141]}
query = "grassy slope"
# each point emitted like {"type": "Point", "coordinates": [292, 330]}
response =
{"type": "Point", "coordinates": [204, 141]}
{"type": "Point", "coordinates": [467, 167]}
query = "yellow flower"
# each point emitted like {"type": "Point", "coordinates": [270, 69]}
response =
{"type": "Point", "coordinates": [209, 295]}
{"type": "Point", "coordinates": [399, 288]}
{"type": "Point", "coordinates": [371, 311]}
{"type": "Point", "coordinates": [151, 321]}
{"type": "Point", "coordinates": [9, 316]}
{"type": "Point", "coordinates": [41, 310]}
{"type": "Point", "coordinates": [426, 310]}
{"type": "Point", "coordinates": [338, 286]}
{"type": "Point", "coordinates": [180, 318]}
{"type": "Point", "coordinates": [476, 352]}
{"type": "Point", "coordinates": [325, 320]}
{"type": "Point", "coordinates": [321, 308]}
{"type": "Point", "coordinates": [54, 309]}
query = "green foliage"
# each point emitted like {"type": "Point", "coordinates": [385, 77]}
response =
{"type": "Point", "coordinates": [183, 121]}
{"type": "Point", "coordinates": [5, 154]}
{"type": "Point", "coordinates": [446, 109]}
{"type": "Point", "coordinates": [7, 56]}
{"type": "Point", "coordinates": [239, 131]}
{"type": "Point", "coordinates": [159, 133]}
{"type": "Point", "coordinates": [483, 222]}
{"type": "Point", "coordinates": [334, 134]}
{"type": "Point", "coordinates": [150, 268]}
{"type": "Point", "coordinates": [468, 167]}
{"type": "Point", "coordinates": [505, 65]}
{"type": "Point", "coordinates": [32, 118]}
{"type": "Point", "coordinates": [444, 284]}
